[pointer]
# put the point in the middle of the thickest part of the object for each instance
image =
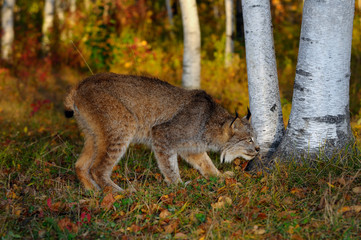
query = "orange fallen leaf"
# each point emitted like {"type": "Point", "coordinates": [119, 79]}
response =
{"type": "Point", "coordinates": [108, 201]}
{"type": "Point", "coordinates": [66, 223]}
{"type": "Point", "coordinates": [171, 227]}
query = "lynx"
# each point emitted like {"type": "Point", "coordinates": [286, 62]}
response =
{"type": "Point", "coordinates": [115, 110]}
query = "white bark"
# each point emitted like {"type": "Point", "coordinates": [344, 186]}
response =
{"type": "Point", "coordinates": [72, 10]}
{"type": "Point", "coordinates": [7, 22]}
{"type": "Point", "coordinates": [320, 119]}
{"type": "Point", "coordinates": [192, 45]}
{"type": "Point", "coordinates": [60, 8]}
{"type": "Point", "coordinates": [169, 12]}
{"type": "Point", "coordinates": [48, 23]}
{"type": "Point", "coordinates": [264, 97]}
{"type": "Point", "coordinates": [229, 32]}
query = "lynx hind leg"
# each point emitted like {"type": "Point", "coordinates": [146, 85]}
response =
{"type": "Point", "coordinates": [202, 163]}
{"type": "Point", "coordinates": [113, 127]}
{"type": "Point", "coordinates": [110, 149]}
{"type": "Point", "coordinates": [85, 161]}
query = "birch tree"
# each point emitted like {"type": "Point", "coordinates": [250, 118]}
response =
{"type": "Point", "coordinates": [192, 45]}
{"type": "Point", "coordinates": [320, 118]}
{"type": "Point", "coordinates": [72, 10]}
{"type": "Point", "coordinates": [229, 32]}
{"type": "Point", "coordinates": [264, 97]}
{"type": "Point", "coordinates": [7, 22]}
{"type": "Point", "coordinates": [49, 10]}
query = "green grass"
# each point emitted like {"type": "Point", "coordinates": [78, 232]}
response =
{"type": "Point", "coordinates": [40, 196]}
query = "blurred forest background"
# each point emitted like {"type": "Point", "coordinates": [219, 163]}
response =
{"type": "Point", "coordinates": [137, 37]}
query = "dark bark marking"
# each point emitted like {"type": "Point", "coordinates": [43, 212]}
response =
{"type": "Point", "coordinates": [328, 119]}
{"type": "Point", "coordinates": [347, 75]}
{"type": "Point", "coordinates": [253, 6]}
{"type": "Point", "coordinates": [303, 73]}
{"type": "Point", "coordinates": [308, 40]}
{"type": "Point", "coordinates": [273, 108]}
{"type": "Point", "coordinates": [301, 99]}
{"type": "Point", "coordinates": [298, 87]}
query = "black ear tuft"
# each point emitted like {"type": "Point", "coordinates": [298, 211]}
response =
{"type": "Point", "coordinates": [68, 114]}
{"type": "Point", "coordinates": [249, 114]}
{"type": "Point", "coordinates": [234, 119]}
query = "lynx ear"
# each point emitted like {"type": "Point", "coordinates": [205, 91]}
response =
{"type": "Point", "coordinates": [234, 119]}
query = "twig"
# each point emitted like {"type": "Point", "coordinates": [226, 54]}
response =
{"type": "Point", "coordinates": [81, 55]}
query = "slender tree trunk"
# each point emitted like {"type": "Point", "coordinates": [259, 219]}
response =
{"type": "Point", "coordinates": [169, 12]}
{"type": "Point", "coordinates": [72, 10]}
{"type": "Point", "coordinates": [320, 118]}
{"type": "Point", "coordinates": [48, 23]}
{"type": "Point", "coordinates": [87, 4]}
{"type": "Point", "coordinates": [192, 45]}
{"type": "Point", "coordinates": [229, 32]}
{"type": "Point", "coordinates": [264, 97]}
{"type": "Point", "coordinates": [7, 21]}
{"type": "Point", "coordinates": [60, 8]}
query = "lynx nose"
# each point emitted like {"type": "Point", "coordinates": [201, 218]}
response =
{"type": "Point", "coordinates": [257, 148]}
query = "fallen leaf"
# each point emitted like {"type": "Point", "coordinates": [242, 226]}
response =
{"type": "Point", "coordinates": [222, 202]}
{"type": "Point", "coordinates": [108, 201]}
{"type": "Point", "coordinates": [355, 208]}
{"type": "Point", "coordinates": [356, 190]}
{"type": "Point", "coordinates": [258, 231]}
{"type": "Point", "coordinates": [264, 189]}
{"type": "Point", "coordinates": [66, 223]}
{"type": "Point", "coordinates": [171, 227]}
{"type": "Point", "coordinates": [180, 236]}
{"type": "Point", "coordinates": [230, 181]}
{"type": "Point", "coordinates": [237, 162]}
{"type": "Point", "coordinates": [164, 214]}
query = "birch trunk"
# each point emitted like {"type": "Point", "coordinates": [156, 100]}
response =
{"type": "Point", "coordinates": [320, 118]}
{"type": "Point", "coordinates": [192, 45]}
{"type": "Point", "coordinates": [229, 32]}
{"type": "Point", "coordinates": [169, 12]}
{"type": "Point", "coordinates": [60, 8]}
{"type": "Point", "coordinates": [72, 10]}
{"type": "Point", "coordinates": [49, 10]}
{"type": "Point", "coordinates": [7, 22]}
{"type": "Point", "coordinates": [264, 97]}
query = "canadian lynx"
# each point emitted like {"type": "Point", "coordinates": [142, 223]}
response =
{"type": "Point", "coordinates": [115, 110]}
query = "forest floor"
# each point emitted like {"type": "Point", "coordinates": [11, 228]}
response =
{"type": "Point", "coordinates": [40, 196]}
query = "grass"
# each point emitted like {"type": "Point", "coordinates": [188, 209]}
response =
{"type": "Point", "coordinates": [40, 196]}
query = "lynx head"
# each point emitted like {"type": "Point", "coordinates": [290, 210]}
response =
{"type": "Point", "coordinates": [241, 141]}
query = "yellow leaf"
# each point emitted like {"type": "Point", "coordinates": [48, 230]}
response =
{"type": "Point", "coordinates": [25, 129]}
{"type": "Point", "coordinates": [118, 197]}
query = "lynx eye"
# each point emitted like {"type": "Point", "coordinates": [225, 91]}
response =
{"type": "Point", "coordinates": [250, 140]}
